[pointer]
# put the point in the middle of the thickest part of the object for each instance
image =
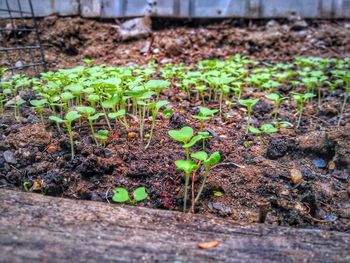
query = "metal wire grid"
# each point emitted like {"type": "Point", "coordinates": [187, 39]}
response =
{"type": "Point", "coordinates": [20, 46]}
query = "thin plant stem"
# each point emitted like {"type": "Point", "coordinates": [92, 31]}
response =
{"type": "Point", "coordinates": [187, 179]}
{"type": "Point", "coordinates": [343, 108]}
{"type": "Point", "coordinates": [69, 128]}
{"type": "Point", "coordinates": [203, 184]}
{"type": "Point", "coordinates": [154, 115]}
{"type": "Point", "coordinates": [193, 198]}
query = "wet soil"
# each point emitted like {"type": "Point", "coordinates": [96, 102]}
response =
{"type": "Point", "coordinates": [256, 185]}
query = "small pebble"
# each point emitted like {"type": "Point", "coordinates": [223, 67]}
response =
{"type": "Point", "coordinates": [331, 218]}
{"type": "Point", "coordinates": [295, 175]}
{"type": "Point", "coordinates": [9, 157]}
{"type": "Point", "coordinates": [32, 119]}
{"type": "Point", "coordinates": [319, 163]}
{"type": "Point", "coordinates": [108, 153]}
{"type": "Point", "coordinates": [132, 135]}
{"type": "Point", "coordinates": [331, 165]}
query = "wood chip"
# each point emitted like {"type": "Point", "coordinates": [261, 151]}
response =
{"type": "Point", "coordinates": [208, 245]}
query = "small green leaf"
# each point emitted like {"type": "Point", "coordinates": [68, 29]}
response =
{"type": "Point", "coordinates": [187, 166]}
{"type": "Point", "coordinates": [193, 141]}
{"type": "Point", "coordinates": [207, 112]}
{"type": "Point", "coordinates": [72, 115]}
{"type": "Point", "coordinates": [86, 110]}
{"type": "Point", "coordinates": [167, 113]}
{"type": "Point", "coordinates": [95, 117]}
{"type": "Point", "coordinates": [201, 155]}
{"type": "Point", "coordinates": [205, 135]}
{"type": "Point", "coordinates": [140, 194]}
{"type": "Point", "coordinates": [248, 103]}
{"type": "Point", "coordinates": [38, 103]}
{"type": "Point", "coordinates": [120, 195]}
{"type": "Point", "coordinates": [56, 119]}
{"type": "Point", "coordinates": [273, 96]}
{"type": "Point", "coordinates": [218, 194]}
{"type": "Point", "coordinates": [213, 159]}
{"type": "Point", "coordinates": [161, 104]}
{"type": "Point", "coordinates": [67, 96]}
{"type": "Point", "coordinates": [114, 115]}
{"type": "Point", "coordinates": [254, 130]}
{"type": "Point", "coordinates": [268, 128]}
{"type": "Point", "coordinates": [157, 84]}
{"type": "Point", "coordinates": [183, 135]}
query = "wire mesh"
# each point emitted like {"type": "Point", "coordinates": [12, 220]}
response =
{"type": "Point", "coordinates": [20, 46]}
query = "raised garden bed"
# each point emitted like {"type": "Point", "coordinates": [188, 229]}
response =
{"type": "Point", "coordinates": [82, 132]}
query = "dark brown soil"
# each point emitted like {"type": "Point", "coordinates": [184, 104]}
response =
{"type": "Point", "coordinates": [67, 41]}
{"type": "Point", "coordinates": [256, 185]}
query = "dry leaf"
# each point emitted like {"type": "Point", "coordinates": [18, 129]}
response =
{"type": "Point", "coordinates": [208, 245]}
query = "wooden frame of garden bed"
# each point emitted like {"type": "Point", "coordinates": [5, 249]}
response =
{"type": "Point", "coordinates": [35, 227]}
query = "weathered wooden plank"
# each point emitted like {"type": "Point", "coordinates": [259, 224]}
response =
{"type": "Point", "coordinates": [40, 228]}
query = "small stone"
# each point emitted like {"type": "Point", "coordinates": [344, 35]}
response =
{"type": "Point", "coordinates": [108, 153]}
{"type": "Point", "coordinates": [32, 119]}
{"type": "Point", "coordinates": [331, 165]}
{"type": "Point", "coordinates": [331, 218]}
{"type": "Point", "coordinates": [319, 163]}
{"type": "Point", "coordinates": [299, 25]}
{"type": "Point", "coordinates": [220, 208]}
{"type": "Point", "coordinates": [9, 157]}
{"type": "Point", "coordinates": [295, 175]}
{"type": "Point", "coordinates": [272, 24]}
{"type": "Point", "coordinates": [132, 135]}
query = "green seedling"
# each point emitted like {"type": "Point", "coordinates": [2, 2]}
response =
{"type": "Point", "coordinates": [109, 104]}
{"type": "Point", "coordinates": [184, 136]}
{"type": "Point", "coordinates": [346, 78]}
{"type": "Point", "coordinates": [201, 89]}
{"type": "Point", "coordinates": [282, 124]}
{"type": "Point", "coordinates": [121, 195]}
{"type": "Point", "coordinates": [277, 99]}
{"type": "Point", "coordinates": [157, 85]}
{"type": "Point", "coordinates": [249, 103]}
{"type": "Point", "coordinates": [89, 113]}
{"type": "Point", "coordinates": [264, 129]}
{"type": "Point", "coordinates": [205, 135]}
{"type": "Point", "coordinates": [39, 107]}
{"type": "Point", "coordinates": [155, 107]}
{"type": "Point", "coordinates": [301, 99]}
{"type": "Point", "coordinates": [69, 118]}
{"type": "Point", "coordinates": [204, 115]}
{"type": "Point", "coordinates": [202, 157]}
{"type": "Point", "coordinates": [26, 186]}
{"type": "Point", "coordinates": [188, 167]}
{"type": "Point", "coordinates": [116, 116]}
{"type": "Point", "coordinates": [102, 135]}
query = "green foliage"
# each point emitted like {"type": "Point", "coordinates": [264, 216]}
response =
{"type": "Point", "coordinates": [301, 98]}
{"type": "Point", "coordinates": [264, 129]}
{"type": "Point", "coordinates": [204, 115]}
{"type": "Point", "coordinates": [69, 118]}
{"type": "Point", "coordinates": [121, 195]}
{"type": "Point", "coordinates": [248, 103]}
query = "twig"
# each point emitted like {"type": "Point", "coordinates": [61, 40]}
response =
{"type": "Point", "coordinates": [106, 196]}
{"type": "Point", "coordinates": [230, 163]}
